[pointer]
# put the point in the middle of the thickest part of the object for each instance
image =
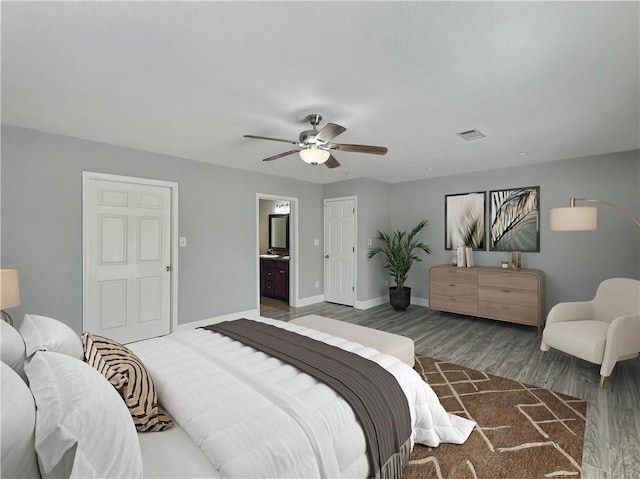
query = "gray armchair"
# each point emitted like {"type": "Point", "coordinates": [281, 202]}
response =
{"type": "Point", "coordinates": [603, 331]}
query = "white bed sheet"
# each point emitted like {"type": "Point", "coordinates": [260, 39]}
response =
{"type": "Point", "coordinates": [171, 454]}
{"type": "Point", "coordinates": [254, 416]}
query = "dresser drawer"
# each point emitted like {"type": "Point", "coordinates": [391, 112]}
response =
{"type": "Point", "coordinates": [519, 297]}
{"type": "Point", "coordinates": [516, 296]}
{"type": "Point", "coordinates": [454, 305]}
{"type": "Point", "coordinates": [457, 290]}
{"type": "Point", "coordinates": [508, 280]}
{"type": "Point", "coordinates": [453, 275]}
{"type": "Point", "coordinates": [509, 312]}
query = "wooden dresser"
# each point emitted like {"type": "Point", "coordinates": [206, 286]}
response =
{"type": "Point", "coordinates": [516, 296]}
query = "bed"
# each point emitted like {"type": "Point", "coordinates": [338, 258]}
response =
{"type": "Point", "coordinates": [231, 410]}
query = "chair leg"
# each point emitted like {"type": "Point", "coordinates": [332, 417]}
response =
{"type": "Point", "coordinates": [602, 381]}
{"type": "Point", "coordinates": [542, 355]}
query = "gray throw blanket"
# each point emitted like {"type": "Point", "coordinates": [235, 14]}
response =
{"type": "Point", "coordinates": [372, 392]}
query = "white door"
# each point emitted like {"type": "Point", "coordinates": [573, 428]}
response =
{"type": "Point", "coordinates": [127, 259]}
{"type": "Point", "coordinates": [339, 251]}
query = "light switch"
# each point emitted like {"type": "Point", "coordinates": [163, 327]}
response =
{"type": "Point", "coordinates": [316, 242]}
{"type": "Point", "coordinates": [183, 242]}
{"type": "Point", "coordinates": [369, 242]}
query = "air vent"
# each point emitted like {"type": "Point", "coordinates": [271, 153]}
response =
{"type": "Point", "coordinates": [471, 135]}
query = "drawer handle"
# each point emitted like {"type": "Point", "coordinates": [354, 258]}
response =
{"type": "Point", "coordinates": [282, 271]}
{"type": "Point", "coordinates": [506, 290]}
{"type": "Point", "coordinates": [452, 299]}
{"type": "Point", "coordinates": [452, 271]}
{"type": "Point", "coordinates": [506, 275]}
{"type": "Point", "coordinates": [506, 306]}
{"type": "Point", "coordinates": [452, 285]}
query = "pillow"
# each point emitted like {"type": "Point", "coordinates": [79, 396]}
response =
{"type": "Point", "coordinates": [82, 427]}
{"type": "Point", "coordinates": [125, 371]}
{"type": "Point", "coordinates": [18, 425]}
{"type": "Point", "coordinates": [47, 334]}
{"type": "Point", "coordinates": [12, 348]}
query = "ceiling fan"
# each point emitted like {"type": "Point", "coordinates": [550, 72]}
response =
{"type": "Point", "coordinates": [315, 147]}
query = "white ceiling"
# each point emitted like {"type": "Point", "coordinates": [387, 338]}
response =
{"type": "Point", "coordinates": [556, 80]}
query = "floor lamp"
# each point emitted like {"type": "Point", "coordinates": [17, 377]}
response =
{"type": "Point", "coordinates": [582, 218]}
{"type": "Point", "coordinates": [9, 292]}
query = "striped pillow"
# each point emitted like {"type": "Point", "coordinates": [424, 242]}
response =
{"type": "Point", "coordinates": [127, 374]}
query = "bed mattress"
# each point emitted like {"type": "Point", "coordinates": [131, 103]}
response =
{"type": "Point", "coordinates": [172, 454]}
{"type": "Point", "coordinates": [255, 416]}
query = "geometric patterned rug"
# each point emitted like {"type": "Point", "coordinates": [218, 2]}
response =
{"type": "Point", "coordinates": [522, 431]}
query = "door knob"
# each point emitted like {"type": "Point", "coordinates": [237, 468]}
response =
{"type": "Point", "coordinates": [326, 256]}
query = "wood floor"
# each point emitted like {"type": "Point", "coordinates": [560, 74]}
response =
{"type": "Point", "coordinates": [612, 437]}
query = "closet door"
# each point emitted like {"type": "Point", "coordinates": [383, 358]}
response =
{"type": "Point", "coordinates": [339, 250]}
{"type": "Point", "coordinates": [127, 252]}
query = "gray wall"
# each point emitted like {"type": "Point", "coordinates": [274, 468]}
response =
{"type": "Point", "coordinates": [373, 215]}
{"type": "Point", "coordinates": [42, 236]}
{"type": "Point", "coordinates": [574, 262]}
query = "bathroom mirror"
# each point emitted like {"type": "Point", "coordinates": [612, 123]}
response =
{"type": "Point", "coordinates": [279, 232]}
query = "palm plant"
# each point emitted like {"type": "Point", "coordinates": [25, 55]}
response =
{"type": "Point", "coordinates": [399, 251]}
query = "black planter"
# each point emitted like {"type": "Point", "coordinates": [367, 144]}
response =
{"type": "Point", "coordinates": [399, 298]}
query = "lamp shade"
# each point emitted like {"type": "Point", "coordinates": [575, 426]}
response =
{"type": "Point", "coordinates": [314, 155]}
{"type": "Point", "coordinates": [574, 218]}
{"type": "Point", "coordinates": [9, 290]}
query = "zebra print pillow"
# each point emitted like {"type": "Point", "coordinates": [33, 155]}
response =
{"type": "Point", "coordinates": [125, 371]}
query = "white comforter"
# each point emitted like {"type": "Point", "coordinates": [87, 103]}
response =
{"type": "Point", "coordinates": [255, 416]}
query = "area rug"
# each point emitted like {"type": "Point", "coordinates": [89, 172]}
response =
{"type": "Point", "coordinates": [522, 431]}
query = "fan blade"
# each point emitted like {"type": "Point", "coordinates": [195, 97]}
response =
{"type": "Point", "coordinates": [329, 132]}
{"type": "Point", "coordinates": [280, 155]}
{"type": "Point", "coordinates": [375, 150]}
{"type": "Point", "coordinates": [332, 162]}
{"type": "Point", "coordinates": [272, 139]}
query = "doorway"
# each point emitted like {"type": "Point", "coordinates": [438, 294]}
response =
{"type": "Point", "coordinates": [129, 257]}
{"type": "Point", "coordinates": [277, 259]}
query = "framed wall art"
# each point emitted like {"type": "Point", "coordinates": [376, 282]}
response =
{"type": "Point", "coordinates": [515, 219]}
{"type": "Point", "coordinates": [464, 220]}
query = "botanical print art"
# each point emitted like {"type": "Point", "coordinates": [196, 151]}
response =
{"type": "Point", "coordinates": [515, 218]}
{"type": "Point", "coordinates": [464, 220]}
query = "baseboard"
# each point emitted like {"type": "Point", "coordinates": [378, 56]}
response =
{"type": "Point", "coordinates": [254, 313]}
{"type": "Point", "coordinates": [362, 305]}
{"type": "Point", "coordinates": [371, 303]}
{"type": "Point", "coordinates": [310, 300]}
{"type": "Point", "coordinates": [420, 301]}
{"type": "Point", "coordinates": [251, 313]}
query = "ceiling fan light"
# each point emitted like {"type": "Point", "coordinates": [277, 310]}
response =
{"type": "Point", "coordinates": [314, 155]}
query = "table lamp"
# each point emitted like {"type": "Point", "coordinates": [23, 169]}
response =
{"type": "Point", "coordinates": [9, 292]}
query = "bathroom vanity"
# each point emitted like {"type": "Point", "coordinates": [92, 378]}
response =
{"type": "Point", "coordinates": [274, 278]}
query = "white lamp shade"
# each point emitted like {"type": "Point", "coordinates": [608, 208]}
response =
{"type": "Point", "coordinates": [9, 290]}
{"type": "Point", "coordinates": [314, 156]}
{"type": "Point", "coordinates": [576, 218]}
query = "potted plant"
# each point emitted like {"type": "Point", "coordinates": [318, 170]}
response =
{"type": "Point", "coordinates": [400, 251]}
